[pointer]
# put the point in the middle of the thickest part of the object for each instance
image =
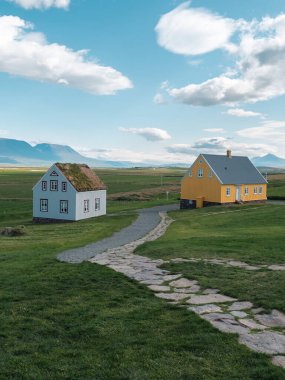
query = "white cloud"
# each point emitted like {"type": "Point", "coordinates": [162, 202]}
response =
{"type": "Point", "coordinates": [239, 112]}
{"type": "Point", "coordinates": [192, 31]}
{"type": "Point", "coordinates": [135, 156]}
{"type": "Point", "coordinates": [27, 54]}
{"type": "Point", "coordinates": [3, 132]}
{"type": "Point", "coordinates": [159, 99]}
{"type": "Point", "coordinates": [214, 130]}
{"type": "Point", "coordinates": [42, 4]}
{"type": "Point", "coordinates": [258, 50]}
{"type": "Point", "coordinates": [219, 145]}
{"type": "Point", "coordinates": [151, 134]}
{"type": "Point", "coordinates": [271, 131]}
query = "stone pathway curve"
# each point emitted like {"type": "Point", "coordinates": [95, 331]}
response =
{"type": "Point", "coordinates": [229, 263]}
{"type": "Point", "coordinates": [147, 220]}
{"type": "Point", "coordinates": [259, 331]}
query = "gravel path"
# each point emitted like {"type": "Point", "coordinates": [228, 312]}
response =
{"type": "Point", "coordinates": [147, 220]}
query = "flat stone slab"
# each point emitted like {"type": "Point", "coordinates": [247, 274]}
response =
{"type": "Point", "coordinates": [211, 291]}
{"type": "Point", "coordinates": [209, 308]}
{"type": "Point", "coordinates": [217, 316]}
{"type": "Point", "coordinates": [257, 310]}
{"type": "Point", "coordinates": [228, 324]}
{"type": "Point", "coordinates": [276, 267]}
{"type": "Point", "coordinates": [210, 298]}
{"type": "Point", "coordinates": [193, 289]}
{"type": "Point", "coordinates": [159, 288]}
{"type": "Point", "coordinates": [279, 361]}
{"type": "Point", "coordinates": [250, 323]}
{"type": "Point", "coordinates": [267, 342]}
{"type": "Point", "coordinates": [239, 314]}
{"type": "Point", "coordinates": [240, 306]}
{"type": "Point", "coordinates": [172, 296]}
{"type": "Point", "coordinates": [183, 283]}
{"type": "Point", "coordinates": [275, 319]}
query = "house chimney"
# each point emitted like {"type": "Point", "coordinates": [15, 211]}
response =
{"type": "Point", "coordinates": [229, 153]}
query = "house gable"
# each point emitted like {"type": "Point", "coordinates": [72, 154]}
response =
{"type": "Point", "coordinates": [201, 181]}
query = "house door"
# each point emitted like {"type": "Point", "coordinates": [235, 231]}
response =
{"type": "Point", "coordinates": [238, 193]}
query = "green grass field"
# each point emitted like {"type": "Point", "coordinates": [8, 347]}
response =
{"type": "Point", "coordinates": [254, 234]}
{"type": "Point", "coordinates": [276, 188]}
{"type": "Point", "coordinates": [64, 321]}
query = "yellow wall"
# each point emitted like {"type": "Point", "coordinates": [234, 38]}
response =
{"type": "Point", "coordinates": [245, 198]}
{"type": "Point", "coordinates": [211, 188]}
{"type": "Point", "coordinates": [194, 187]}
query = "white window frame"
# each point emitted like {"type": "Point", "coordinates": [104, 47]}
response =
{"type": "Point", "coordinates": [43, 205]}
{"type": "Point", "coordinates": [200, 173]}
{"type": "Point", "coordinates": [44, 185]}
{"type": "Point", "coordinates": [210, 174]}
{"type": "Point", "coordinates": [86, 205]}
{"type": "Point", "coordinates": [260, 189]}
{"type": "Point", "coordinates": [200, 161]}
{"type": "Point", "coordinates": [53, 185]}
{"type": "Point", "coordinates": [190, 173]}
{"type": "Point", "coordinates": [64, 186]}
{"type": "Point", "coordinates": [63, 206]}
{"type": "Point", "coordinates": [228, 191]}
{"type": "Point", "coordinates": [97, 204]}
{"type": "Point", "coordinates": [246, 191]}
{"type": "Point", "coordinates": [255, 190]}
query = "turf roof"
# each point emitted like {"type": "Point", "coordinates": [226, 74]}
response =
{"type": "Point", "coordinates": [81, 177]}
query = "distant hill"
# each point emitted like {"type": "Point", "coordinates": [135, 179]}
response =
{"type": "Point", "coordinates": [269, 161]}
{"type": "Point", "coordinates": [21, 153]}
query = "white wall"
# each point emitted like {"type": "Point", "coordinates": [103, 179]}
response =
{"type": "Point", "coordinates": [54, 197]}
{"type": "Point", "coordinates": [90, 195]}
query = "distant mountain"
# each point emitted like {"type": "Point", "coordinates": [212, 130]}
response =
{"type": "Point", "coordinates": [269, 160]}
{"type": "Point", "coordinates": [21, 153]}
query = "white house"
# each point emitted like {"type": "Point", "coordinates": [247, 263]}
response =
{"type": "Point", "coordinates": [68, 192]}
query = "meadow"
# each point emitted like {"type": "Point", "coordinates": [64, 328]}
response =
{"type": "Point", "coordinates": [64, 321]}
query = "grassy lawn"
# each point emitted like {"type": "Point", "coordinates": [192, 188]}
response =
{"type": "Point", "coordinates": [276, 187]}
{"type": "Point", "coordinates": [64, 321]}
{"type": "Point", "coordinates": [254, 234]}
{"type": "Point", "coordinates": [263, 288]}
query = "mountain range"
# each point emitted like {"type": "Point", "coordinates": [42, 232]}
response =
{"type": "Point", "coordinates": [270, 161]}
{"type": "Point", "coordinates": [21, 153]}
{"type": "Point", "coordinates": [17, 152]}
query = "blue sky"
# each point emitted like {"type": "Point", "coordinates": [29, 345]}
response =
{"type": "Point", "coordinates": [160, 80]}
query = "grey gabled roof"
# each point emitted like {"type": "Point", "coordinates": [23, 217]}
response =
{"type": "Point", "coordinates": [235, 170]}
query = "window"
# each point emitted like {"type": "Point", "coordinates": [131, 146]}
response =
{"type": "Point", "coordinates": [190, 173]}
{"type": "Point", "coordinates": [200, 161]}
{"type": "Point", "coordinates": [255, 190]}
{"type": "Point", "coordinates": [200, 173]}
{"type": "Point", "coordinates": [260, 189]}
{"type": "Point", "coordinates": [43, 205]}
{"type": "Point", "coordinates": [64, 186]}
{"type": "Point", "coordinates": [228, 191]}
{"type": "Point", "coordinates": [63, 207]}
{"type": "Point", "coordinates": [97, 204]}
{"type": "Point", "coordinates": [246, 190]}
{"type": "Point", "coordinates": [210, 174]}
{"type": "Point", "coordinates": [53, 185]}
{"type": "Point", "coordinates": [54, 173]}
{"type": "Point", "coordinates": [44, 185]}
{"type": "Point", "coordinates": [86, 205]}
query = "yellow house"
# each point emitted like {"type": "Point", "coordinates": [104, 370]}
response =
{"type": "Point", "coordinates": [220, 179]}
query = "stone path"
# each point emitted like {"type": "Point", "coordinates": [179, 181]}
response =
{"type": "Point", "coordinates": [259, 331]}
{"type": "Point", "coordinates": [147, 220]}
{"type": "Point", "coordinates": [230, 263]}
